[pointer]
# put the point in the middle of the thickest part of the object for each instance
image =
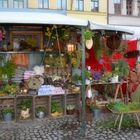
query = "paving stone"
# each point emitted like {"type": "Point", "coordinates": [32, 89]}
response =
{"type": "Point", "coordinates": [65, 128]}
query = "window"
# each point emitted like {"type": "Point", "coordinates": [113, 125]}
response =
{"type": "Point", "coordinates": [95, 5]}
{"type": "Point", "coordinates": [61, 4]}
{"type": "Point", "coordinates": [43, 3]}
{"type": "Point", "coordinates": [79, 5]}
{"type": "Point", "coordinates": [18, 4]}
{"type": "Point", "coordinates": [129, 7]}
{"type": "Point", "coordinates": [117, 7]}
{"type": "Point", "coordinates": [3, 3]}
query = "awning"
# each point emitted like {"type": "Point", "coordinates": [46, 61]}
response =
{"type": "Point", "coordinates": [31, 17]}
{"type": "Point", "coordinates": [135, 29]}
{"type": "Point", "coordinates": [95, 26]}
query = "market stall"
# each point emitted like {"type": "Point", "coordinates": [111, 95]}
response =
{"type": "Point", "coordinates": [27, 45]}
{"type": "Point", "coordinates": [39, 56]}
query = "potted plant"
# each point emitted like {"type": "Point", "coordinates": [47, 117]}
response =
{"type": "Point", "coordinates": [7, 70]}
{"type": "Point", "coordinates": [25, 106]}
{"type": "Point", "coordinates": [56, 109]}
{"type": "Point", "coordinates": [10, 89]}
{"type": "Point", "coordinates": [40, 112]}
{"type": "Point", "coordinates": [96, 111]}
{"type": "Point", "coordinates": [7, 113]}
{"type": "Point", "coordinates": [70, 109]}
{"type": "Point", "coordinates": [121, 68]}
{"type": "Point", "coordinates": [88, 34]}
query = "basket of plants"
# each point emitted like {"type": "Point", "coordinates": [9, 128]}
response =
{"type": "Point", "coordinates": [120, 107]}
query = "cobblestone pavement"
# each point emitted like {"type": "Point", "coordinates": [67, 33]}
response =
{"type": "Point", "coordinates": [64, 128]}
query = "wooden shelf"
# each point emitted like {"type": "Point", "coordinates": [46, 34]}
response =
{"type": "Point", "coordinates": [37, 100]}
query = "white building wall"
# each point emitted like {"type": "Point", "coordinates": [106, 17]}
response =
{"type": "Point", "coordinates": [135, 8]}
{"type": "Point", "coordinates": [131, 22]}
{"type": "Point", "coordinates": [111, 7]}
{"type": "Point", "coordinates": [123, 7]}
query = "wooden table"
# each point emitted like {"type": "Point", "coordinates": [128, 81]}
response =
{"type": "Point", "coordinates": [118, 88]}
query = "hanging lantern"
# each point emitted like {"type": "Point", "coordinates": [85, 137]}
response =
{"type": "Point", "coordinates": [71, 47]}
{"type": "Point", "coordinates": [89, 43]}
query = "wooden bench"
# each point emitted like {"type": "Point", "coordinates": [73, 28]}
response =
{"type": "Point", "coordinates": [120, 116]}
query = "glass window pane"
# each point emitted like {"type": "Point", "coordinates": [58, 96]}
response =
{"type": "Point", "coordinates": [95, 5]}
{"type": "Point", "coordinates": [5, 4]}
{"type": "Point", "coordinates": [46, 4]}
{"type": "Point", "coordinates": [117, 1]}
{"type": "Point", "coordinates": [76, 4]}
{"type": "Point", "coordinates": [64, 4]}
{"type": "Point", "coordinates": [59, 4]}
{"type": "Point", "coordinates": [21, 4]}
{"type": "Point", "coordinates": [40, 4]}
{"type": "Point", "coordinates": [81, 5]}
{"type": "Point", "coordinates": [0, 3]}
{"type": "Point", "coordinates": [15, 4]}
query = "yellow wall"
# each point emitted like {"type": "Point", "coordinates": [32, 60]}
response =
{"type": "Point", "coordinates": [53, 4]}
{"type": "Point", "coordinates": [32, 3]}
{"type": "Point", "coordinates": [95, 17]}
{"type": "Point", "coordinates": [99, 17]}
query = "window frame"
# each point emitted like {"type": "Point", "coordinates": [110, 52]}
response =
{"type": "Point", "coordinates": [3, 3]}
{"type": "Point", "coordinates": [117, 7]}
{"type": "Point", "coordinates": [18, 1]}
{"type": "Point", "coordinates": [61, 4]}
{"type": "Point", "coordinates": [93, 5]}
{"type": "Point", "coordinates": [129, 8]}
{"type": "Point", "coordinates": [77, 6]}
{"type": "Point", "coordinates": [43, 4]}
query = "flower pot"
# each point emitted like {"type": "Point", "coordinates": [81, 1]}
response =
{"type": "Point", "coordinates": [7, 117]}
{"type": "Point", "coordinates": [115, 79]}
{"type": "Point", "coordinates": [89, 43]}
{"type": "Point", "coordinates": [70, 111]}
{"type": "Point", "coordinates": [40, 115]}
{"type": "Point", "coordinates": [96, 113]}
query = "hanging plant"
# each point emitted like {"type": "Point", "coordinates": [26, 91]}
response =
{"type": "Point", "coordinates": [98, 47]}
{"type": "Point", "coordinates": [114, 41]}
{"type": "Point", "coordinates": [88, 34]}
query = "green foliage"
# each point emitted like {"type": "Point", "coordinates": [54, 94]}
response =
{"type": "Point", "coordinates": [121, 107]}
{"type": "Point", "coordinates": [10, 88]}
{"type": "Point", "coordinates": [40, 109]}
{"type": "Point", "coordinates": [55, 107]}
{"type": "Point", "coordinates": [7, 110]}
{"type": "Point", "coordinates": [106, 76]}
{"type": "Point", "coordinates": [7, 69]}
{"type": "Point", "coordinates": [98, 47]}
{"type": "Point", "coordinates": [63, 33]}
{"type": "Point", "coordinates": [75, 58]}
{"type": "Point", "coordinates": [88, 34]}
{"type": "Point", "coordinates": [128, 122]}
{"type": "Point", "coordinates": [77, 77]}
{"type": "Point", "coordinates": [25, 103]}
{"type": "Point", "coordinates": [121, 68]}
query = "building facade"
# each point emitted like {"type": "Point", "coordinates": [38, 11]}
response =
{"type": "Point", "coordinates": [125, 13]}
{"type": "Point", "coordinates": [95, 10]}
